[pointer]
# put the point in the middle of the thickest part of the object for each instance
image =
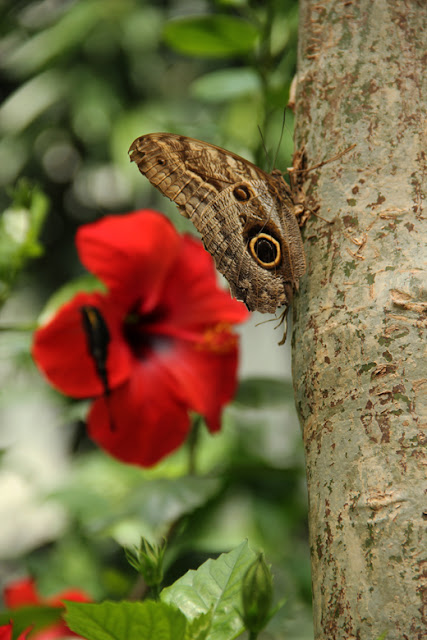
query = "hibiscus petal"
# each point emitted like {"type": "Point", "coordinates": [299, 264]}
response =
{"type": "Point", "coordinates": [132, 254]}
{"type": "Point", "coordinates": [20, 593]}
{"type": "Point", "coordinates": [6, 632]}
{"type": "Point", "coordinates": [205, 373]}
{"type": "Point", "coordinates": [58, 631]}
{"type": "Point", "coordinates": [75, 595]}
{"type": "Point", "coordinates": [60, 348]}
{"type": "Point", "coordinates": [192, 296]}
{"type": "Point", "coordinates": [149, 416]}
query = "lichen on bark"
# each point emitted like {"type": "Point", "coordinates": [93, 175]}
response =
{"type": "Point", "coordinates": [359, 357]}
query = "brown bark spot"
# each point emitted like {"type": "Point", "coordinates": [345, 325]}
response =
{"type": "Point", "coordinates": [350, 221]}
{"type": "Point", "coordinates": [366, 420]}
{"type": "Point", "coordinates": [385, 397]}
{"type": "Point", "coordinates": [383, 370]}
{"type": "Point", "coordinates": [378, 201]}
{"type": "Point", "coordinates": [399, 388]}
{"type": "Point", "coordinates": [319, 547]}
{"type": "Point", "coordinates": [384, 426]}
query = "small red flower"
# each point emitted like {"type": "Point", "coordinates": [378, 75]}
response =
{"type": "Point", "coordinates": [6, 632]}
{"type": "Point", "coordinates": [22, 593]}
{"type": "Point", "coordinates": [168, 345]}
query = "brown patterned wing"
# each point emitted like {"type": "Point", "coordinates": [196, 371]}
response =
{"type": "Point", "coordinates": [244, 215]}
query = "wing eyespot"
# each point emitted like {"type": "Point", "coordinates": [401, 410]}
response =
{"type": "Point", "coordinates": [242, 192]}
{"type": "Point", "coordinates": [161, 161]}
{"type": "Point", "coordinates": [265, 250]}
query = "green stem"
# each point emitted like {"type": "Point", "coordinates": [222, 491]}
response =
{"type": "Point", "coordinates": [155, 592]}
{"type": "Point", "coordinates": [193, 440]}
{"type": "Point", "coordinates": [19, 327]}
{"type": "Point", "coordinates": [263, 65]}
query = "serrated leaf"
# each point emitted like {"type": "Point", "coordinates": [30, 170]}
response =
{"type": "Point", "coordinates": [210, 36]}
{"type": "Point", "coordinates": [215, 586]}
{"type": "Point", "coordinates": [198, 629]}
{"type": "Point", "coordinates": [264, 392]}
{"type": "Point", "coordinates": [126, 621]}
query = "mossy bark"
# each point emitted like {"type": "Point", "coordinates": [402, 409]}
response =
{"type": "Point", "coordinates": [359, 357]}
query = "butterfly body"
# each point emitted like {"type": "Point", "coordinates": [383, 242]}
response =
{"type": "Point", "coordinates": [244, 215]}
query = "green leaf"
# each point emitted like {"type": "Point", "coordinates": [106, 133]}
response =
{"type": "Point", "coordinates": [198, 628]}
{"type": "Point", "coordinates": [162, 501]}
{"type": "Point", "coordinates": [30, 100]}
{"type": "Point", "coordinates": [147, 620]}
{"type": "Point", "coordinates": [20, 226]}
{"type": "Point", "coordinates": [233, 3]}
{"type": "Point", "coordinates": [264, 392]}
{"type": "Point", "coordinates": [126, 502]}
{"type": "Point", "coordinates": [210, 36]}
{"type": "Point", "coordinates": [226, 84]}
{"type": "Point", "coordinates": [72, 29]}
{"type": "Point", "coordinates": [38, 617]}
{"type": "Point", "coordinates": [215, 586]}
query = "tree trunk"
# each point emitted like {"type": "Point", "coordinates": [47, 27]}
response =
{"type": "Point", "coordinates": [359, 359]}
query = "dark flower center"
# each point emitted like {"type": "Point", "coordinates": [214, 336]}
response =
{"type": "Point", "coordinates": [137, 333]}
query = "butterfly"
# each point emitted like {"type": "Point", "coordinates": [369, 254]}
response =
{"type": "Point", "coordinates": [245, 216]}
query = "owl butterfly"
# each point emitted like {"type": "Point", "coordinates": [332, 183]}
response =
{"type": "Point", "coordinates": [244, 215]}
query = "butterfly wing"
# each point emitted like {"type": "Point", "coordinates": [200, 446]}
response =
{"type": "Point", "coordinates": [244, 215]}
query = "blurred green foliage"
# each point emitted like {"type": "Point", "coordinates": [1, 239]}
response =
{"type": "Point", "coordinates": [80, 80]}
{"type": "Point", "coordinates": [20, 227]}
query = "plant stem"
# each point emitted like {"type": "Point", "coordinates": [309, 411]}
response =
{"type": "Point", "coordinates": [19, 327]}
{"type": "Point", "coordinates": [193, 439]}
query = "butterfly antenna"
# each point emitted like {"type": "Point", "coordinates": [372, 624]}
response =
{"type": "Point", "coordinates": [258, 324]}
{"type": "Point", "coordinates": [322, 164]}
{"type": "Point", "coordinates": [281, 137]}
{"type": "Point", "coordinates": [267, 156]}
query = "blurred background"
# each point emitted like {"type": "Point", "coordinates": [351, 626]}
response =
{"type": "Point", "coordinates": [80, 80]}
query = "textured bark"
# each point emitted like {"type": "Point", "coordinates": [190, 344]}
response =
{"type": "Point", "coordinates": [359, 357]}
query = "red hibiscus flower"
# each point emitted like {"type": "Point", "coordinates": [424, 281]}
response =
{"type": "Point", "coordinates": [156, 345]}
{"type": "Point", "coordinates": [22, 593]}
